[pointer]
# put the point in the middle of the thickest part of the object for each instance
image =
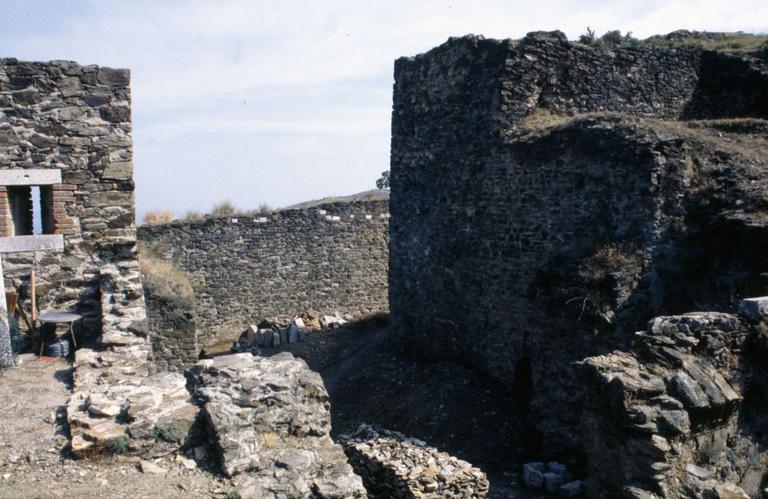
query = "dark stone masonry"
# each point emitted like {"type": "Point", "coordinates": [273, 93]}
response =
{"type": "Point", "coordinates": [332, 258]}
{"type": "Point", "coordinates": [550, 198]}
{"type": "Point", "coordinates": [60, 116]}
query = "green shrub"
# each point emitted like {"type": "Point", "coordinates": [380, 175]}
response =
{"type": "Point", "coordinates": [611, 39]}
{"type": "Point", "coordinates": [169, 434]}
{"type": "Point", "coordinates": [383, 181]}
{"type": "Point", "coordinates": [588, 38]}
{"type": "Point", "coordinates": [118, 445]}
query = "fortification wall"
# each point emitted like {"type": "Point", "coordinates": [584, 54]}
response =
{"type": "Point", "coordinates": [63, 116]}
{"type": "Point", "coordinates": [521, 251]}
{"type": "Point", "coordinates": [243, 269]}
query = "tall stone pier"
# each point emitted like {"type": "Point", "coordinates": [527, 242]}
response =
{"type": "Point", "coordinates": [547, 201]}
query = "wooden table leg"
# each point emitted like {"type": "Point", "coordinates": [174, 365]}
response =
{"type": "Point", "coordinates": [72, 334]}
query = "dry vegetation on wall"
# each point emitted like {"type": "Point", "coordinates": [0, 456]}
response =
{"type": "Point", "coordinates": [726, 42]}
{"type": "Point", "coordinates": [608, 258]}
{"type": "Point", "coordinates": [162, 278]}
{"type": "Point", "coordinates": [227, 209]}
{"type": "Point", "coordinates": [222, 209]}
{"type": "Point", "coordinates": [193, 216]}
{"type": "Point", "coordinates": [154, 217]}
{"type": "Point", "coordinates": [542, 117]}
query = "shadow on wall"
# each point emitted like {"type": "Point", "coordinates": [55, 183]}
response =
{"type": "Point", "coordinates": [729, 86]}
{"type": "Point", "coordinates": [451, 407]}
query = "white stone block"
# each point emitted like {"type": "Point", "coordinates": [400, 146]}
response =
{"type": "Point", "coordinates": [754, 309]}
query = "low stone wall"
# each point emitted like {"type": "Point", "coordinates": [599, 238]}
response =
{"type": "Point", "coordinates": [173, 330]}
{"type": "Point", "coordinates": [333, 258]}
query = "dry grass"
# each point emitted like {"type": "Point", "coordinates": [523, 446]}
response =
{"type": "Point", "coordinates": [729, 42]}
{"type": "Point", "coordinates": [542, 117]}
{"type": "Point", "coordinates": [227, 209]}
{"type": "Point", "coordinates": [162, 278]}
{"type": "Point", "coordinates": [155, 217]}
{"type": "Point", "coordinates": [193, 216]}
{"type": "Point", "coordinates": [608, 258]}
{"type": "Point", "coordinates": [265, 210]}
{"type": "Point", "coordinates": [224, 209]}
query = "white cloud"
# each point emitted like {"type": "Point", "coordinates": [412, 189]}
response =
{"type": "Point", "coordinates": [258, 85]}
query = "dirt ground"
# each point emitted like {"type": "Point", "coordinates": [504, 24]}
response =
{"type": "Point", "coordinates": [451, 408]}
{"type": "Point", "coordinates": [34, 462]}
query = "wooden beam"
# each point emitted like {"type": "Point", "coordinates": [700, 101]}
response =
{"type": "Point", "coordinates": [20, 244]}
{"type": "Point", "coordinates": [32, 176]}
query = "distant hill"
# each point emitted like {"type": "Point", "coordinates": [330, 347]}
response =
{"type": "Point", "coordinates": [372, 195]}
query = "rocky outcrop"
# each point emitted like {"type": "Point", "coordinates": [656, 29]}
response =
{"type": "Point", "coordinates": [269, 419]}
{"type": "Point", "coordinates": [395, 466]}
{"type": "Point", "coordinates": [663, 420]}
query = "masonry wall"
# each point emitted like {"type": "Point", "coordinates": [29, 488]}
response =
{"type": "Point", "coordinates": [243, 269]}
{"type": "Point", "coordinates": [75, 118]}
{"type": "Point", "coordinates": [493, 225]}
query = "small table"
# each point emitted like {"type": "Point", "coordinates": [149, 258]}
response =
{"type": "Point", "coordinates": [61, 318]}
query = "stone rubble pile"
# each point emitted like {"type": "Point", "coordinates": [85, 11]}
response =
{"type": "Point", "coordinates": [395, 466]}
{"type": "Point", "coordinates": [120, 407]}
{"type": "Point", "coordinates": [270, 334]}
{"type": "Point", "coordinates": [117, 403]}
{"type": "Point", "coordinates": [663, 418]}
{"type": "Point", "coordinates": [552, 477]}
{"type": "Point", "coordinates": [270, 421]}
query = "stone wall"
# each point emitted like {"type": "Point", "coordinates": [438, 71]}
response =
{"type": "Point", "coordinates": [331, 258]}
{"type": "Point", "coordinates": [522, 248]}
{"type": "Point", "coordinates": [60, 115]}
{"type": "Point", "coordinates": [173, 331]}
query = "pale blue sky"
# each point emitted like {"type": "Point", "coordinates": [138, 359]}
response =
{"type": "Point", "coordinates": [280, 102]}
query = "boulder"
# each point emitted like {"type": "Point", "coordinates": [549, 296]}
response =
{"type": "Point", "coordinates": [754, 309]}
{"type": "Point", "coordinates": [572, 489]}
{"type": "Point", "coordinates": [270, 420]}
{"type": "Point", "coordinates": [533, 475]}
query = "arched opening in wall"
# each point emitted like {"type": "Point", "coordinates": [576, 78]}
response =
{"type": "Point", "coordinates": [522, 383]}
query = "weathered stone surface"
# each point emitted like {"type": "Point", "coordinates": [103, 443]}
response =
{"type": "Point", "coordinates": [151, 414]}
{"type": "Point", "coordinates": [754, 309]}
{"type": "Point", "coordinates": [661, 418]}
{"type": "Point", "coordinates": [533, 475]}
{"type": "Point", "coordinates": [270, 420]}
{"type": "Point", "coordinates": [393, 465]}
{"type": "Point", "coordinates": [49, 119]}
{"type": "Point", "coordinates": [525, 232]}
